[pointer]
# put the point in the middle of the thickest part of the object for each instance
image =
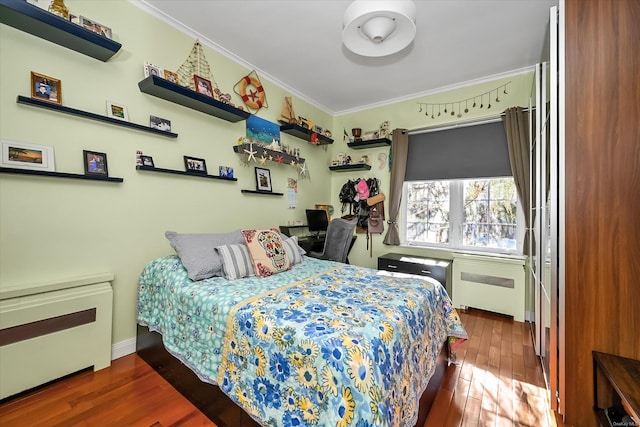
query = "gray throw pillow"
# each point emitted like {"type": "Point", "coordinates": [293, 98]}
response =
{"type": "Point", "coordinates": [198, 251]}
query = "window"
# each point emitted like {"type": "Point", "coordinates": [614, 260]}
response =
{"type": "Point", "coordinates": [472, 214]}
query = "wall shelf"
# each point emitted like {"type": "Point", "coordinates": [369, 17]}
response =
{"type": "Point", "coordinates": [41, 23]}
{"type": "Point", "coordinates": [266, 193]}
{"type": "Point", "coordinates": [60, 174]}
{"type": "Point", "coordinates": [304, 133]}
{"type": "Point", "coordinates": [372, 143]}
{"type": "Point", "coordinates": [286, 158]}
{"type": "Point", "coordinates": [62, 109]}
{"type": "Point", "coordinates": [178, 172]}
{"type": "Point", "coordinates": [164, 89]}
{"type": "Point", "coordinates": [349, 168]}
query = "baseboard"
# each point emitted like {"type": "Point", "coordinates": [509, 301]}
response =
{"type": "Point", "coordinates": [123, 348]}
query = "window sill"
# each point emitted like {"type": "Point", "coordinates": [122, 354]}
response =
{"type": "Point", "coordinates": [459, 253]}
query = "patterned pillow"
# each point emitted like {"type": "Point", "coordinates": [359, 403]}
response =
{"type": "Point", "coordinates": [236, 261]}
{"type": "Point", "coordinates": [294, 252]}
{"type": "Point", "coordinates": [267, 252]}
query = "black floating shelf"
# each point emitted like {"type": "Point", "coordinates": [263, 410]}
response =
{"type": "Point", "coordinates": [177, 172]}
{"type": "Point", "coordinates": [304, 133]}
{"type": "Point", "coordinates": [349, 168]}
{"type": "Point", "coordinates": [62, 109]}
{"type": "Point", "coordinates": [372, 143]}
{"type": "Point", "coordinates": [41, 23]}
{"type": "Point", "coordinates": [169, 91]}
{"type": "Point", "coordinates": [60, 175]}
{"type": "Point", "coordinates": [286, 158]}
{"type": "Point", "coordinates": [266, 193]}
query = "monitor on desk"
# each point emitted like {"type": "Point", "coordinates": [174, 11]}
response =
{"type": "Point", "coordinates": [317, 221]}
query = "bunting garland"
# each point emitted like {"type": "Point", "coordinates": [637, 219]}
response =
{"type": "Point", "coordinates": [463, 106]}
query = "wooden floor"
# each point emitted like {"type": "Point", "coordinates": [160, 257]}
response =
{"type": "Point", "coordinates": [498, 383]}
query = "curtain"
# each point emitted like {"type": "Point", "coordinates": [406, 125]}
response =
{"type": "Point", "coordinates": [516, 126]}
{"type": "Point", "coordinates": [399, 148]}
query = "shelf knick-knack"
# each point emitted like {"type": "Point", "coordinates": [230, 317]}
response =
{"type": "Point", "coordinates": [59, 8]}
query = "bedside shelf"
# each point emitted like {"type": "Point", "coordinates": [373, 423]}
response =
{"type": "Point", "coordinates": [349, 168]}
{"type": "Point", "coordinates": [286, 158]}
{"type": "Point", "coordinates": [372, 143]}
{"type": "Point", "coordinates": [266, 193]}
{"type": "Point", "coordinates": [304, 133]}
{"type": "Point", "coordinates": [62, 109]}
{"type": "Point", "coordinates": [60, 175]}
{"type": "Point", "coordinates": [177, 172]}
{"type": "Point", "coordinates": [41, 23]}
{"type": "Point", "coordinates": [164, 89]}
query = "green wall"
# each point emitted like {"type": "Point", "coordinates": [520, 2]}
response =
{"type": "Point", "coordinates": [58, 229]}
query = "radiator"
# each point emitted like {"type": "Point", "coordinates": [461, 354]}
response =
{"type": "Point", "coordinates": [490, 283]}
{"type": "Point", "coordinates": [53, 329]}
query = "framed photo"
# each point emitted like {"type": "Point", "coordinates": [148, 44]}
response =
{"type": "Point", "coordinates": [147, 161]}
{"type": "Point", "coordinates": [46, 88]}
{"type": "Point", "coordinates": [194, 164]}
{"type": "Point", "coordinates": [160, 123]}
{"type": "Point", "coordinates": [226, 171]}
{"type": "Point", "coordinates": [263, 179]}
{"type": "Point", "coordinates": [117, 111]}
{"type": "Point", "coordinates": [171, 76]}
{"type": "Point", "coordinates": [95, 163]}
{"type": "Point", "coordinates": [19, 155]}
{"type": "Point", "coordinates": [91, 25]}
{"type": "Point", "coordinates": [152, 70]}
{"type": "Point", "coordinates": [203, 85]}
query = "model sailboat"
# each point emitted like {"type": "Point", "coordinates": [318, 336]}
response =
{"type": "Point", "coordinates": [197, 64]}
{"type": "Point", "coordinates": [288, 115]}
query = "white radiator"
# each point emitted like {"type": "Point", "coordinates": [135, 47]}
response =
{"type": "Point", "coordinates": [490, 283]}
{"type": "Point", "coordinates": [53, 329]}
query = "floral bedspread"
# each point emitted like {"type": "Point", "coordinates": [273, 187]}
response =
{"type": "Point", "coordinates": [323, 344]}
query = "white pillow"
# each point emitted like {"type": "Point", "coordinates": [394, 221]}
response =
{"type": "Point", "coordinates": [236, 261]}
{"type": "Point", "coordinates": [294, 252]}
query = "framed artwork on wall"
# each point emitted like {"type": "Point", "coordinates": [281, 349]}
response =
{"type": "Point", "coordinates": [263, 180]}
{"type": "Point", "coordinates": [194, 164]}
{"type": "Point", "coordinates": [95, 163]}
{"type": "Point", "coordinates": [19, 155]}
{"type": "Point", "coordinates": [117, 111]}
{"type": "Point", "coordinates": [46, 88]}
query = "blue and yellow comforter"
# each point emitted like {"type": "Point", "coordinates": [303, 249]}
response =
{"type": "Point", "coordinates": [323, 344]}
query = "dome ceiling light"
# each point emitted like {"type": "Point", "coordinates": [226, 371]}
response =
{"type": "Point", "coordinates": [379, 28]}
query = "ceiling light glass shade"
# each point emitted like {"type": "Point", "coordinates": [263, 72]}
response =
{"type": "Point", "coordinates": [379, 28]}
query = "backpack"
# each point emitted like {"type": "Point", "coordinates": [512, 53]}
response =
{"type": "Point", "coordinates": [347, 194]}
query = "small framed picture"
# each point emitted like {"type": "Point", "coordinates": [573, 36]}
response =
{"type": "Point", "coordinates": [226, 171]}
{"type": "Point", "coordinates": [19, 155]}
{"type": "Point", "coordinates": [147, 161]}
{"type": "Point", "coordinates": [93, 26]}
{"type": "Point", "coordinates": [194, 164]}
{"type": "Point", "coordinates": [46, 88]}
{"type": "Point", "coordinates": [160, 123]}
{"type": "Point", "coordinates": [152, 70]}
{"type": "Point", "coordinates": [263, 179]}
{"type": "Point", "coordinates": [171, 76]}
{"type": "Point", "coordinates": [203, 85]}
{"type": "Point", "coordinates": [95, 163]}
{"type": "Point", "coordinates": [117, 111]}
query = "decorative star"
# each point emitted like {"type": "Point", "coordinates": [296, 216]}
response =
{"type": "Point", "coordinates": [253, 94]}
{"type": "Point", "coordinates": [293, 163]}
{"type": "Point", "coordinates": [251, 153]}
{"type": "Point", "coordinates": [303, 169]}
{"type": "Point", "coordinates": [263, 159]}
{"type": "Point", "coordinates": [270, 157]}
{"type": "Point", "coordinates": [279, 158]}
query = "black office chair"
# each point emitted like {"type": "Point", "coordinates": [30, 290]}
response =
{"type": "Point", "coordinates": [338, 240]}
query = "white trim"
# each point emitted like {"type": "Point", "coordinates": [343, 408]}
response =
{"type": "Point", "coordinates": [123, 348]}
{"type": "Point", "coordinates": [529, 316]}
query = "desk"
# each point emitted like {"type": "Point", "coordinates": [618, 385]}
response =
{"type": "Point", "coordinates": [616, 381]}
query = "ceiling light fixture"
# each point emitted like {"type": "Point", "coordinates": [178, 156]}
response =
{"type": "Point", "coordinates": [379, 28]}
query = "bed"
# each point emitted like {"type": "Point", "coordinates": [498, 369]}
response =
{"type": "Point", "coordinates": [322, 343]}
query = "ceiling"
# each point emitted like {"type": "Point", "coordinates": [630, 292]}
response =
{"type": "Point", "coordinates": [297, 44]}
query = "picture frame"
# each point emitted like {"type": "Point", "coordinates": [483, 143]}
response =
{"type": "Point", "coordinates": [203, 86]}
{"type": "Point", "coordinates": [160, 123]}
{"type": "Point", "coordinates": [46, 88]}
{"type": "Point", "coordinates": [93, 26]}
{"type": "Point", "coordinates": [225, 171]}
{"type": "Point", "coordinates": [147, 161]}
{"type": "Point", "coordinates": [263, 180]}
{"type": "Point", "coordinates": [95, 163]}
{"type": "Point", "coordinates": [171, 76]}
{"type": "Point", "coordinates": [117, 111]}
{"type": "Point", "coordinates": [20, 155]}
{"type": "Point", "coordinates": [195, 165]}
{"type": "Point", "coordinates": [152, 70]}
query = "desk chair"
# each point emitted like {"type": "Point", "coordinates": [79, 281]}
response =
{"type": "Point", "coordinates": [338, 240]}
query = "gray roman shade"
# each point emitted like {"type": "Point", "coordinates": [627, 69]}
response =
{"type": "Point", "coordinates": [475, 151]}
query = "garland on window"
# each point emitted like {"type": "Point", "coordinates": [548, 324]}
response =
{"type": "Point", "coordinates": [461, 107]}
